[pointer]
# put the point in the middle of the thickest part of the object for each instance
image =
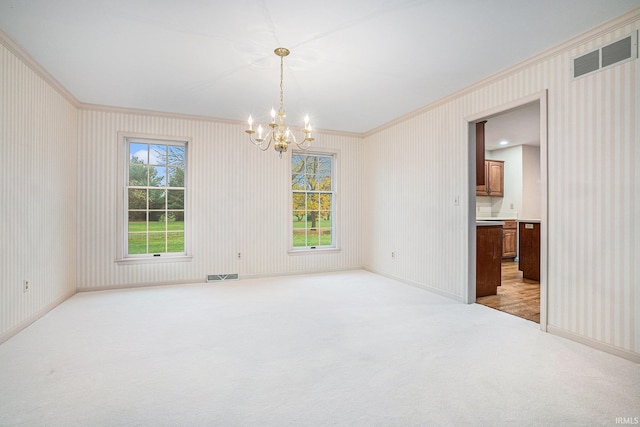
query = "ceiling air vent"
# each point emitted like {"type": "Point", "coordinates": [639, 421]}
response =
{"type": "Point", "coordinates": [622, 50]}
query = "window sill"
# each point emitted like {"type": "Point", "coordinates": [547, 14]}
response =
{"type": "Point", "coordinates": [307, 251]}
{"type": "Point", "coordinates": [154, 260]}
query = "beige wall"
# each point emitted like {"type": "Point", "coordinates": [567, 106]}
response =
{"type": "Point", "coordinates": [38, 158]}
{"type": "Point", "coordinates": [416, 166]}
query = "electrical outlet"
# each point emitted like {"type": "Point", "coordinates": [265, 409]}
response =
{"type": "Point", "coordinates": [239, 255]}
{"type": "Point", "coordinates": [25, 286]}
{"type": "Point", "coordinates": [393, 255]}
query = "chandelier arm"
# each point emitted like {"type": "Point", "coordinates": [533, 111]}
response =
{"type": "Point", "coordinates": [261, 144]}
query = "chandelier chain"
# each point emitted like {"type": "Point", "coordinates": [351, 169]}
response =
{"type": "Point", "coordinates": [281, 84]}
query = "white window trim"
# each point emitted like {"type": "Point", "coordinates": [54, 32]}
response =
{"type": "Point", "coordinates": [335, 217]}
{"type": "Point", "coordinates": [121, 214]}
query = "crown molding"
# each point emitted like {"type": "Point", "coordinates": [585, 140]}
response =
{"type": "Point", "coordinates": [22, 54]}
{"type": "Point", "coordinates": [83, 106]}
{"type": "Point", "coordinates": [583, 38]}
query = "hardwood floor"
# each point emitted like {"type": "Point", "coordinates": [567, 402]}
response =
{"type": "Point", "coordinates": [517, 296]}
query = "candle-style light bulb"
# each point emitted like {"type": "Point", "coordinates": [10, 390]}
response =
{"type": "Point", "coordinates": [250, 122]}
{"type": "Point", "coordinates": [273, 115]}
{"type": "Point", "coordinates": [309, 134]}
{"type": "Point", "coordinates": [306, 121]}
{"type": "Point", "coordinates": [259, 131]}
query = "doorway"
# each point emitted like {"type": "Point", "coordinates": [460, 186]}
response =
{"type": "Point", "coordinates": [514, 126]}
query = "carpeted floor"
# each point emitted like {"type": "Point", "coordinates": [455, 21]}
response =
{"type": "Point", "coordinates": [340, 349]}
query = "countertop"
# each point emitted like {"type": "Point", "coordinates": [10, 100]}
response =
{"type": "Point", "coordinates": [534, 221]}
{"type": "Point", "coordinates": [483, 223]}
{"type": "Point", "coordinates": [496, 218]}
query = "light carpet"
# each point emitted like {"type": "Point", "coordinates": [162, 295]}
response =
{"type": "Point", "coordinates": [340, 349]}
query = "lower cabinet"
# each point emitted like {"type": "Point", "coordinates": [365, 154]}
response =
{"type": "Point", "coordinates": [488, 259]}
{"type": "Point", "coordinates": [529, 254]}
{"type": "Point", "coordinates": [509, 239]}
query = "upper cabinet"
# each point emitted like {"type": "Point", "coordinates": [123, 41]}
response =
{"type": "Point", "coordinates": [493, 179]}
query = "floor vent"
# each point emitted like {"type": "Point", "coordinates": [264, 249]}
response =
{"type": "Point", "coordinates": [221, 277]}
{"type": "Point", "coordinates": [618, 52]}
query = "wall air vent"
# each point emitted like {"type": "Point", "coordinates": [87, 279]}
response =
{"type": "Point", "coordinates": [618, 52]}
{"type": "Point", "coordinates": [221, 277]}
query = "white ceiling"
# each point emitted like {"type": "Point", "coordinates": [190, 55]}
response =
{"type": "Point", "coordinates": [354, 64]}
{"type": "Point", "coordinates": [519, 126]}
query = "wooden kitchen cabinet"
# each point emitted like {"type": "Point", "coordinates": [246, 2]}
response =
{"type": "Point", "coordinates": [509, 239]}
{"type": "Point", "coordinates": [488, 259]}
{"type": "Point", "coordinates": [529, 253]}
{"type": "Point", "coordinates": [494, 179]}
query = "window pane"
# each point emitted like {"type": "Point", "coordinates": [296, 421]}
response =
{"type": "Point", "coordinates": [324, 164]}
{"type": "Point", "coordinates": [324, 181]}
{"type": "Point", "coordinates": [156, 218]}
{"type": "Point", "coordinates": [175, 221]}
{"type": "Point", "coordinates": [313, 239]}
{"type": "Point", "coordinates": [299, 201]}
{"type": "Point", "coordinates": [137, 198]}
{"type": "Point", "coordinates": [157, 242]}
{"type": "Point", "coordinates": [176, 156]}
{"type": "Point", "coordinates": [297, 164]}
{"type": "Point", "coordinates": [138, 175]}
{"type": "Point", "coordinates": [137, 243]}
{"type": "Point", "coordinates": [157, 176]}
{"type": "Point", "coordinates": [313, 202]}
{"type": "Point", "coordinates": [138, 221]}
{"type": "Point", "coordinates": [311, 165]}
{"type": "Point", "coordinates": [298, 181]}
{"type": "Point", "coordinates": [325, 202]}
{"type": "Point", "coordinates": [138, 153]}
{"type": "Point", "coordinates": [325, 236]}
{"type": "Point", "coordinates": [157, 154]}
{"type": "Point", "coordinates": [176, 177]}
{"type": "Point", "coordinates": [157, 199]}
{"type": "Point", "coordinates": [299, 237]}
{"type": "Point", "coordinates": [175, 199]}
{"type": "Point", "coordinates": [175, 242]}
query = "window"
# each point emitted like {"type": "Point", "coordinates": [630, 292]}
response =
{"type": "Point", "coordinates": [313, 200]}
{"type": "Point", "coordinates": [154, 214]}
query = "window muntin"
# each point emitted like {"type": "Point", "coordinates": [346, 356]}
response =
{"type": "Point", "coordinates": [313, 200]}
{"type": "Point", "coordinates": [155, 197]}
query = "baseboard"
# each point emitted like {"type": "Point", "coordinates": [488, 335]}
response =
{"type": "Point", "coordinates": [298, 273]}
{"type": "Point", "coordinates": [607, 348]}
{"type": "Point", "coordinates": [417, 285]}
{"type": "Point", "coordinates": [31, 319]}
{"type": "Point", "coordinates": [203, 280]}
{"type": "Point", "coordinates": [142, 285]}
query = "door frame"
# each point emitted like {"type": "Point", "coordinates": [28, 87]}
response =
{"type": "Point", "coordinates": [541, 97]}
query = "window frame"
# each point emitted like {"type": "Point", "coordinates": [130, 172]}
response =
{"type": "Point", "coordinates": [335, 220]}
{"type": "Point", "coordinates": [122, 255]}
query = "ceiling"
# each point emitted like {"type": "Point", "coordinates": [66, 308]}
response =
{"type": "Point", "coordinates": [354, 65]}
{"type": "Point", "coordinates": [519, 126]}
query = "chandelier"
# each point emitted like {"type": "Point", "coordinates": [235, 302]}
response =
{"type": "Point", "coordinates": [279, 134]}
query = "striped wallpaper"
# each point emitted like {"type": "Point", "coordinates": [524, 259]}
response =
{"type": "Point", "coordinates": [38, 134]}
{"type": "Point", "coordinates": [239, 200]}
{"type": "Point", "coordinates": [593, 191]}
{"type": "Point", "coordinates": [397, 189]}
